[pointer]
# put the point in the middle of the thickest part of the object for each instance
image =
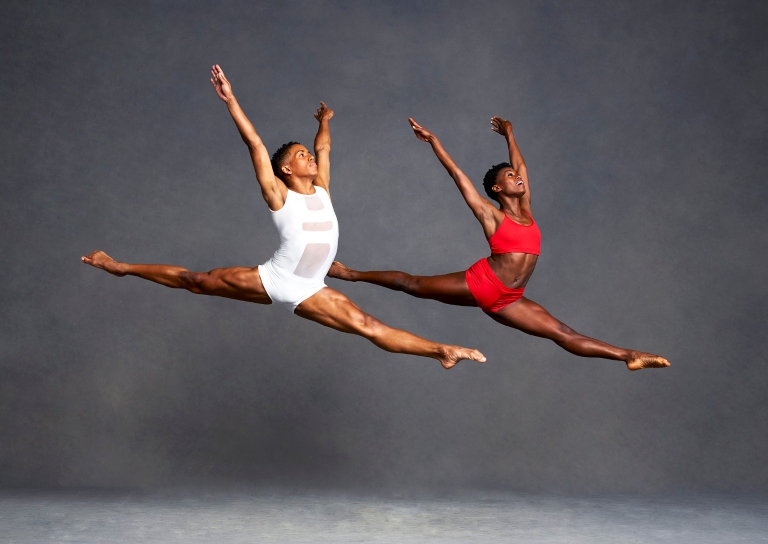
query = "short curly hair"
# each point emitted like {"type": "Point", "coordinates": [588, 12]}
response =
{"type": "Point", "coordinates": [490, 179]}
{"type": "Point", "coordinates": [280, 158]}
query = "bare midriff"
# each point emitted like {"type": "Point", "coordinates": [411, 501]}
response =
{"type": "Point", "coordinates": [513, 269]}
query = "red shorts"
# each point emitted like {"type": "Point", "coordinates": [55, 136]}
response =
{"type": "Point", "coordinates": [491, 295]}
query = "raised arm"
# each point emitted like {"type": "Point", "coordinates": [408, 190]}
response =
{"type": "Point", "coordinates": [504, 127]}
{"type": "Point", "coordinates": [485, 212]}
{"type": "Point", "coordinates": [323, 147]}
{"type": "Point", "coordinates": [273, 189]}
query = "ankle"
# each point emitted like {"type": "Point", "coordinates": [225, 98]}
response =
{"type": "Point", "coordinates": [440, 352]}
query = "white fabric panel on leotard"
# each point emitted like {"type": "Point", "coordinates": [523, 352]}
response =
{"type": "Point", "coordinates": [309, 237]}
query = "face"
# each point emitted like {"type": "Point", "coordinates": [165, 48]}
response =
{"type": "Point", "coordinates": [302, 163]}
{"type": "Point", "coordinates": [509, 182]}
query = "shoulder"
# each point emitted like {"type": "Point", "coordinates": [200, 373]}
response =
{"type": "Point", "coordinates": [492, 213]}
{"type": "Point", "coordinates": [321, 190]}
{"type": "Point", "coordinates": [278, 199]}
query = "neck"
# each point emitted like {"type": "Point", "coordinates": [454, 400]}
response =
{"type": "Point", "coordinates": [510, 204]}
{"type": "Point", "coordinates": [301, 185]}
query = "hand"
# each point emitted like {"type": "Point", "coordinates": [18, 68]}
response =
{"type": "Point", "coordinates": [323, 113]}
{"type": "Point", "coordinates": [220, 83]}
{"type": "Point", "coordinates": [502, 126]}
{"type": "Point", "coordinates": [421, 133]}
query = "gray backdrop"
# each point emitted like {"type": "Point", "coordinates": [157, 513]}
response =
{"type": "Point", "coordinates": [644, 129]}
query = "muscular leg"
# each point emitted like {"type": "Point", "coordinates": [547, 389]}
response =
{"type": "Point", "coordinates": [327, 307]}
{"type": "Point", "coordinates": [332, 309]}
{"type": "Point", "coordinates": [238, 283]}
{"type": "Point", "coordinates": [448, 288]}
{"type": "Point", "coordinates": [527, 316]}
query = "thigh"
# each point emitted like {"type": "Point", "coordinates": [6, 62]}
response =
{"type": "Point", "coordinates": [447, 288]}
{"type": "Point", "coordinates": [531, 318]}
{"type": "Point", "coordinates": [239, 283]}
{"type": "Point", "coordinates": [333, 309]}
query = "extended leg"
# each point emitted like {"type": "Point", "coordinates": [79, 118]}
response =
{"type": "Point", "coordinates": [332, 309]}
{"type": "Point", "coordinates": [448, 288]}
{"type": "Point", "coordinates": [527, 316]}
{"type": "Point", "coordinates": [238, 283]}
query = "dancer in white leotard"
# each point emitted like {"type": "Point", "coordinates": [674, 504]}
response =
{"type": "Point", "coordinates": [309, 236]}
{"type": "Point", "coordinates": [295, 188]}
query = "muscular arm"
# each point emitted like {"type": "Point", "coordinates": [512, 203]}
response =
{"type": "Point", "coordinates": [273, 189]}
{"type": "Point", "coordinates": [323, 147]}
{"type": "Point", "coordinates": [481, 207]}
{"type": "Point", "coordinates": [504, 127]}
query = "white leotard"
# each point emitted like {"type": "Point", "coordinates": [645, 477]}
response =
{"type": "Point", "coordinates": [309, 237]}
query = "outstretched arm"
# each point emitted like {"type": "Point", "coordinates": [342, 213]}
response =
{"type": "Point", "coordinates": [504, 127]}
{"type": "Point", "coordinates": [484, 210]}
{"type": "Point", "coordinates": [273, 189]}
{"type": "Point", "coordinates": [323, 146]}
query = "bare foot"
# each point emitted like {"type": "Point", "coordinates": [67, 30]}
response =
{"type": "Point", "coordinates": [640, 360]}
{"type": "Point", "coordinates": [99, 259]}
{"type": "Point", "coordinates": [450, 355]}
{"type": "Point", "coordinates": [339, 271]}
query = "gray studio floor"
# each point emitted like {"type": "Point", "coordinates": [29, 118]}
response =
{"type": "Point", "coordinates": [90, 516]}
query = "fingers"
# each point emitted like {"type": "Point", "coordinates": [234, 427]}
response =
{"type": "Point", "coordinates": [323, 112]}
{"type": "Point", "coordinates": [218, 73]}
{"type": "Point", "coordinates": [502, 126]}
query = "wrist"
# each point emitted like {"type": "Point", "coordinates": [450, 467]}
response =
{"type": "Point", "coordinates": [119, 267]}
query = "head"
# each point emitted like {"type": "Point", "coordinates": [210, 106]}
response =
{"type": "Point", "coordinates": [294, 161]}
{"type": "Point", "coordinates": [502, 179]}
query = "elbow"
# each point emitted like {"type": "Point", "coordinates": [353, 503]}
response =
{"type": "Point", "coordinates": [253, 143]}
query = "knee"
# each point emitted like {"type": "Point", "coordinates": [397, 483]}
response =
{"type": "Point", "coordinates": [409, 284]}
{"type": "Point", "coordinates": [193, 281]}
{"type": "Point", "coordinates": [564, 334]}
{"type": "Point", "coordinates": [368, 326]}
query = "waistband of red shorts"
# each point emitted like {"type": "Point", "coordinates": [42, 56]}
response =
{"type": "Point", "coordinates": [496, 281]}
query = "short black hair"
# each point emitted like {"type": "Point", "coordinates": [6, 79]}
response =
{"type": "Point", "coordinates": [490, 179]}
{"type": "Point", "coordinates": [279, 158]}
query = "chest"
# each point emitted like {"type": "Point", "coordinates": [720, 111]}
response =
{"type": "Point", "coordinates": [513, 237]}
{"type": "Point", "coordinates": [306, 214]}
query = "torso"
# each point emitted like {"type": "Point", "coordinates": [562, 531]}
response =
{"type": "Point", "coordinates": [309, 234]}
{"type": "Point", "coordinates": [513, 269]}
{"type": "Point", "coordinates": [515, 250]}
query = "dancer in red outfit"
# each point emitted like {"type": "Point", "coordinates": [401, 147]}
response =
{"type": "Point", "coordinates": [496, 284]}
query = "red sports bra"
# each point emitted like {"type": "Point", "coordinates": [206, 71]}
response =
{"type": "Point", "coordinates": [513, 237]}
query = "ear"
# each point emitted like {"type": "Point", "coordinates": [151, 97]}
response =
{"type": "Point", "coordinates": [496, 189]}
{"type": "Point", "coordinates": [286, 170]}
